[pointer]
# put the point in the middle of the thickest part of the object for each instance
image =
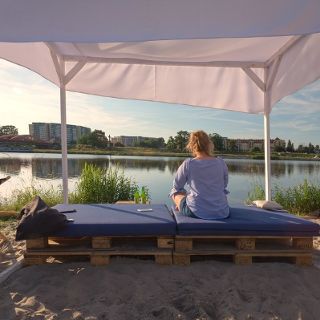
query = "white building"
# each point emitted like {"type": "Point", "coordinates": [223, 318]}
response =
{"type": "Point", "coordinates": [51, 132]}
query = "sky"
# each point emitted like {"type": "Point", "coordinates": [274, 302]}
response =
{"type": "Point", "coordinates": [26, 97]}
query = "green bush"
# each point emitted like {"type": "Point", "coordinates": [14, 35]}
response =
{"type": "Point", "coordinates": [301, 199]}
{"type": "Point", "coordinates": [98, 185]}
{"type": "Point", "coordinates": [257, 193]}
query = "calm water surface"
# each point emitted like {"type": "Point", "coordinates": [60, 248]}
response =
{"type": "Point", "coordinates": [154, 172]}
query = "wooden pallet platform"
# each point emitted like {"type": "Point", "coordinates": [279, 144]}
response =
{"type": "Point", "coordinates": [243, 249]}
{"type": "Point", "coordinates": [100, 249]}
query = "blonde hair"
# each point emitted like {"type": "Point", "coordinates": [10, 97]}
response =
{"type": "Point", "coordinates": [199, 141]}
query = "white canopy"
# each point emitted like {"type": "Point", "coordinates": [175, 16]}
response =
{"type": "Point", "coordinates": [241, 55]}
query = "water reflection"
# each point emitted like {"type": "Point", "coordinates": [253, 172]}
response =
{"type": "Point", "coordinates": [138, 164]}
{"type": "Point", "coordinates": [154, 172]}
{"type": "Point", "coordinates": [11, 166]}
{"type": "Point", "coordinates": [51, 167]}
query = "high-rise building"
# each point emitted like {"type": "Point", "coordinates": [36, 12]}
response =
{"type": "Point", "coordinates": [51, 132]}
{"type": "Point", "coordinates": [130, 141]}
{"type": "Point", "coordinates": [40, 131]}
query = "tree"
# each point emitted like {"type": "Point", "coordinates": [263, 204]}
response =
{"type": "Point", "coordinates": [290, 146]}
{"type": "Point", "coordinates": [151, 143]}
{"type": "Point", "coordinates": [8, 130]}
{"type": "Point", "coordinates": [278, 145]}
{"type": "Point", "coordinates": [232, 146]}
{"type": "Point", "coordinates": [300, 148]}
{"type": "Point", "coordinates": [255, 149]}
{"type": "Point", "coordinates": [181, 140]}
{"type": "Point", "coordinates": [217, 141]}
{"type": "Point", "coordinates": [311, 148]}
{"type": "Point", "coordinates": [97, 138]}
{"type": "Point", "coordinates": [171, 144]}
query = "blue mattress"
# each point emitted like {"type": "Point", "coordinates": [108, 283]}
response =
{"type": "Point", "coordinates": [245, 220]}
{"type": "Point", "coordinates": [116, 220]}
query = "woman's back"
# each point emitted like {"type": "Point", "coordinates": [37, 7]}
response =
{"type": "Point", "coordinates": [207, 180]}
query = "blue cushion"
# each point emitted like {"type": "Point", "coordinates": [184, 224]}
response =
{"type": "Point", "coordinates": [245, 220]}
{"type": "Point", "coordinates": [117, 220]}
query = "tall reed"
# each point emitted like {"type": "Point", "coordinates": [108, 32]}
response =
{"type": "Point", "coordinates": [20, 197]}
{"type": "Point", "coordinates": [301, 199]}
{"type": "Point", "coordinates": [99, 185]}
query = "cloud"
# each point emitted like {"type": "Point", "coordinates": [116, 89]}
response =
{"type": "Point", "coordinates": [26, 97]}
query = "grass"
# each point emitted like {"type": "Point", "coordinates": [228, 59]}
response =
{"type": "Point", "coordinates": [99, 185]}
{"type": "Point", "coordinates": [96, 185]}
{"type": "Point", "coordinates": [301, 199]}
{"type": "Point", "coordinates": [21, 197]}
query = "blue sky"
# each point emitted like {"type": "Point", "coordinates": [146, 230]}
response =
{"type": "Point", "coordinates": [26, 97]}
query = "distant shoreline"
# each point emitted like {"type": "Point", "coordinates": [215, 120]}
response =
{"type": "Point", "coordinates": [156, 153]}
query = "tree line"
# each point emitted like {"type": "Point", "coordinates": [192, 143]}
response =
{"type": "Point", "coordinates": [177, 143]}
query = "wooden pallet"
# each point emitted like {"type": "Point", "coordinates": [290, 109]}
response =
{"type": "Point", "coordinates": [243, 249]}
{"type": "Point", "coordinates": [99, 249]}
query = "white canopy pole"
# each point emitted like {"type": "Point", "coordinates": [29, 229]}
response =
{"type": "Point", "coordinates": [267, 158]}
{"type": "Point", "coordinates": [64, 150]}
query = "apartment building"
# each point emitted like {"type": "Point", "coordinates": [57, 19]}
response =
{"type": "Point", "coordinates": [246, 145]}
{"type": "Point", "coordinates": [130, 141]}
{"type": "Point", "coordinates": [51, 132]}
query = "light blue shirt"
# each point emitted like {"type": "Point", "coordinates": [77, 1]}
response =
{"type": "Point", "coordinates": [206, 181]}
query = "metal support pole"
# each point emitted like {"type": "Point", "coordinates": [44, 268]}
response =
{"type": "Point", "coordinates": [267, 156]}
{"type": "Point", "coordinates": [64, 150]}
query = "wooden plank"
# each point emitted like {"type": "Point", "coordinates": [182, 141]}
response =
{"type": "Point", "coordinates": [37, 243]}
{"type": "Point", "coordinates": [82, 252]}
{"type": "Point", "coordinates": [163, 259]}
{"type": "Point", "coordinates": [99, 260]}
{"type": "Point", "coordinates": [28, 260]}
{"type": "Point", "coordinates": [63, 241]}
{"type": "Point", "coordinates": [242, 259]}
{"type": "Point", "coordinates": [183, 244]}
{"type": "Point", "coordinates": [134, 252]}
{"type": "Point", "coordinates": [245, 244]}
{"type": "Point", "coordinates": [164, 242]}
{"type": "Point", "coordinates": [304, 260]}
{"type": "Point", "coordinates": [219, 252]}
{"type": "Point", "coordinates": [181, 259]}
{"type": "Point", "coordinates": [101, 242]}
{"type": "Point", "coordinates": [303, 243]}
{"type": "Point", "coordinates": [230, 237]}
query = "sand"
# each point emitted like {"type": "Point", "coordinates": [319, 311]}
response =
{"type": "Point", "coordinates": [136, 289]}
{"type": "Point", "coordinates": [10, 250]}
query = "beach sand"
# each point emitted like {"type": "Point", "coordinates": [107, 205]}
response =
{"type": "Point", "coordinates": [136, 289]}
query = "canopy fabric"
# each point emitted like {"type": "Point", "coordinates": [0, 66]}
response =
{"type": "Point", "coordinates": [99, 21]}
{"type": "Point", "coordinates": [210, 53]}
{"type": "Point", "coordinates": [241, 55]}
{"type": "Point", "coordinates": [206, 73]}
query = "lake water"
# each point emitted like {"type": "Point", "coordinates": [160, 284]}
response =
{"type": "Point", "coordinates": [154, 172]}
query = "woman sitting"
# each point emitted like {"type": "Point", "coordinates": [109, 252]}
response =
{"type": "Point", "coordinates": [206, 177]}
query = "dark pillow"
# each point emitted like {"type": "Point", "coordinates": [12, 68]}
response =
{"type": "Point", "coordinates": [38, 220]}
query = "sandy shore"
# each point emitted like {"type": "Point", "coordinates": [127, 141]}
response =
{"type": "Point", "coordinates": [134, 289]}
{"type": "Point", "coordinates": [10, 250]}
